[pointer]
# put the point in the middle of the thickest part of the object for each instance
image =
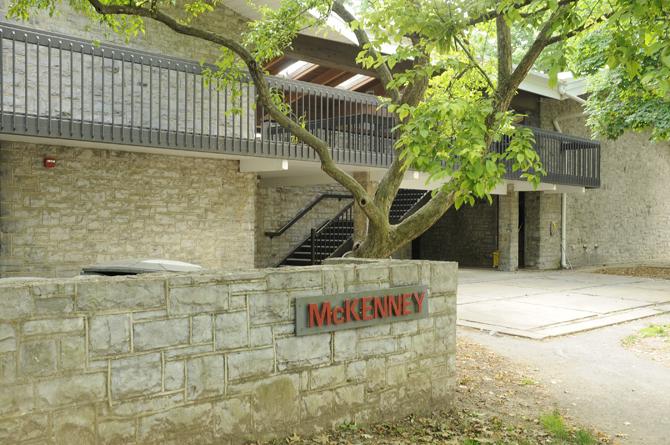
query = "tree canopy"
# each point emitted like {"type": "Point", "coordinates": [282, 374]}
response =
{"type": "Point", "coordinates": [462, 63]}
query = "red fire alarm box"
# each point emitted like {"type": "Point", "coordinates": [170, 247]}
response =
{"type": "Point", "coordinates": [49, 162]}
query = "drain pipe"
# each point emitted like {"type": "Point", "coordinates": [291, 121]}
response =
{"type": "Point", "coordinates": [564, 196]}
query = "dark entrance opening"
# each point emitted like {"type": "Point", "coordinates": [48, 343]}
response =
{"type": "Point", "coordinates": [522, 229]}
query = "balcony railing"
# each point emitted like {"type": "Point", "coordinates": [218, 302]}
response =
{"type": "Point", "coordinates": [58, 87]}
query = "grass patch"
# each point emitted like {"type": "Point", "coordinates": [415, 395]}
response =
{"type": "Point", "coordinates": [556, 427]}
{"type": "Point", "coordinates": [653, 330]}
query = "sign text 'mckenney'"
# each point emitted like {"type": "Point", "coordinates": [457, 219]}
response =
{"type": "Point", "coordinates": [365, 308]}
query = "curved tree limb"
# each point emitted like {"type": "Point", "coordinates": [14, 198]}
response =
{"type": "Point", "coordinates": [420, 221]}
{"type": "Point", "coordinates": [382, 70]}
{"type": "Point", "coordinates": [263, 91]}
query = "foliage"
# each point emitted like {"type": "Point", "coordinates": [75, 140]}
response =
{"type": "Point", "coordinates": [653, 330]}
{"type": "Point", "coordinates": [625, 96]}
{"type": "Point", "coordinates": [450, 70]}
{"type": "Point", "coordinates": [555, 425]}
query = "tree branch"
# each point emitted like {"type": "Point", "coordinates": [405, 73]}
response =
{"type": "Point", "coordinates": [504, 39]}
{"type": "Point", "coordinates": [507, 87]}
{"type": "Point", "coordinates": [421, 220]}
{"type": "Point", "coordinates": [579, 29]}
{"type": "Point", "coordinates": [383, 71]}
{"type": "Point", "coordinates": [474, 62]}
{"type": "Point", "coordinates": [263, 92]}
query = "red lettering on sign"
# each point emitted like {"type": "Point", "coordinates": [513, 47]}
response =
{"type": "Point", "coordinates": [365, 308]}
{"type": "Point", "coordinates": [338, 315]}
{"type": "Point", "coordinates": [395, 306]}
{"type": "Point", "coordinates": [419, 300]}
{"type": "Point", "coordinates": [405, 303]}
{"type": "Point", "coordinates": [319, 317]}
{"type": "Point", "coordinates": [351, 310]}
{"type": "Point", "coordinates": [380, 306]}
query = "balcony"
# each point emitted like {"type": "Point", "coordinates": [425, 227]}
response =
{"type": "Point", "coordinates": [61, 88]}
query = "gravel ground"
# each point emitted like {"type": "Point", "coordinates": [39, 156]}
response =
{"type": "Point", "coordinates": [638, 271]}
{"type": "Point", "coordinates": [496, 403]}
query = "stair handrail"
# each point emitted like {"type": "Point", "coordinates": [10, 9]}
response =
{"type": "Point", "coordinates": [314, 233]}
{"type": "Point", "coordinates": [417, 205]}
{"type": "Point", "coordinates": [302, 212]}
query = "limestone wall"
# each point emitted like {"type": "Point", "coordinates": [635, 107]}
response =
{"type": "Point", "coordinates": [102, 205]}
{"type": "Point", "coordinates": [627, 219]}
{"type": "Point", "coordinates": [212, 358]}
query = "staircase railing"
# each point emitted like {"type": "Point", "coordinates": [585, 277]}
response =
{"type": "Point", "coordinates": [419, 203]}
{"type": "Point", "coordinates": [302, 212]}
{"type": "Point", "coordinates": [322, 240]}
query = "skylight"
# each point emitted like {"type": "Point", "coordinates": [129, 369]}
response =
{"type": "Point", "coordinates": [358, 79]}
{"type": "Point", "coordinates": [290, 71]}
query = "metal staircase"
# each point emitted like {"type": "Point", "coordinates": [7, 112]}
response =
{"type": "Point", "coordinates": [335, 237]}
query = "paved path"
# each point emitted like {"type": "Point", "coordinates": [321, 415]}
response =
{"type": "Point", "coordinates": [542, 304]}
{"type": "Point", "coordinates": [596, 380]}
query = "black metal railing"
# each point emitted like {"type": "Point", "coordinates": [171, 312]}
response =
{"type": "Point", "coordinates": [302, 212]}
{"type": "Point", "coordinates": [568, 160]}
{"type": "Point", "coordinates": [331, 235]}
{"type": "Point", "coordinates": [58, 87]}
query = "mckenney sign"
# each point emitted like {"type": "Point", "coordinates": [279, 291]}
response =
{"type": "Point", "coordinates": [315, 315]}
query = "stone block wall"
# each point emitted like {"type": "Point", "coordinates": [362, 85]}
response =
{"type": "Point", "coordinates": [466, 235]}
{"type": "Point", "coordinates": [212, 358]}
{"type": "Point", "coordinates": [275, 206]}
{"type": "Point", "coordinates": [103, 205]}
{"type": "Point", "coordinates": [626, 220]}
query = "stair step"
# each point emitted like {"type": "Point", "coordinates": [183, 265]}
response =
{"type": "Point", "coordinates": [336, 233]}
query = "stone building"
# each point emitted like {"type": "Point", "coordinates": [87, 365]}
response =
{"type": "Point", "coordinates": [125, 150]}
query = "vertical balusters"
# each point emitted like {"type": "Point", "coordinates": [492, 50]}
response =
{"type": "Point", "coordinates": [151, 99]}
{"type": "Point", "coordinates": [185, 103]}
{"type": "Point", "coordinates": [37, 84]}
{"type": "Point", "coordinates": [102, 94]}
{"type": "Point", "coordinates": [251, 133]}
{"type": "Point", "coordinates": [176, 122]}
{"type": "Point", "coordinates": [92, 90]}
{"type": "Point", "coordinates": [25, 82]}
{"type": "Point", "coordinates": [123, 94]}
{"type": "Point", "coordinates": [160, 99]}
{"type": "Point", "coordinates": [218, 116]}
{"type": "Point", "coordinates": [13, 81]}
{"type": "Point", "coordinates": [141, 122]}
{"type": "Point", "coordinates": [169, 96]}
{"type": "Point", "coordinates": [49, 108]}
{"type": "Point", "coordinates": [132, 95]}
{"type": "Point", "coordinates": [60, 87]}
{"type": "Point", "coordinates": [81, 91]}
{"type": "Point", "coordinates": [2, 79]}
{"type": "Point", "coordinates": [202, 109]}
{"type": "Point", "coordinates": [209, 114]}
{"type": "Point", "coordinates": [225, 116]}
{"type": "Point", "coordinates": [71, 89]}
{"type": "Point", "coordinates": [193, 76]}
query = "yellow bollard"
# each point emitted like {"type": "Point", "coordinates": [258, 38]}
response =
{"type": "Point", "coordinates": [496, 258]}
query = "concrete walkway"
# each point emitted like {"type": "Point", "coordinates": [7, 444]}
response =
{"type": "Point", "coordinates": [542, 304]}
{"type": "Point", "coordinates": [597, 381]}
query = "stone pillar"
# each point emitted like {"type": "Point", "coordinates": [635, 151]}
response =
{"type": "Point", "coordinates": [543, 230]}
{"type": "Point", "coordinates": [508, 230]}
{"type": "Point", "coordinates": [360, 220]}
